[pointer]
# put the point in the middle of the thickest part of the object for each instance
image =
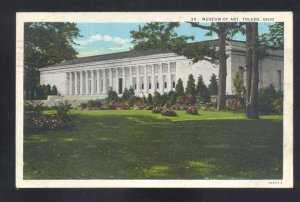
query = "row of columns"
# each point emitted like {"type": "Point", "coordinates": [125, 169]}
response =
{"type": "Point", "coordinates": [97, 82]}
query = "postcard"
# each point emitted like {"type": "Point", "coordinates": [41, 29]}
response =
{"type": "Point", "coordinates": [154, 100]}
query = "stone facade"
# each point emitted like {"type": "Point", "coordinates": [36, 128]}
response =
{"type": "Point", "coordinates": [147, 71]}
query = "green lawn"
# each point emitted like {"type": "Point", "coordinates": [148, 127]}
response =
{"type": "Point", "coordinates": [137, 144]}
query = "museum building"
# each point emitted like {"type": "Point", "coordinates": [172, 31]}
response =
{"type": "Point", "coordinates": [152, 70]}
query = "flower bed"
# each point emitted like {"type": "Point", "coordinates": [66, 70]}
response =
{"type": "Point", "coordinates": [192, 110]}
{"type": "Point", "coordinates": [168, 112]}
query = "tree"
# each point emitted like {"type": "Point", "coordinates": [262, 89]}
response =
{"type": "Point", "coordinates": [112, 96]}
{"type": "Point", "coordinates": [190, 87]}
{"type": "Point", "coordinates": [149, 99]}
{"type": "Point", "coordinates": [238, 85]}
{"type": "Point", "coordinates": [161, 35]}
{"type": "Point", "coordinates": [202, 90]}
{"type": "Point", "coordinates": [179, 90]}
{"type": "Point", "coordinates": [274, 38]}
{"type": "Point", "coordinates": [213, 85]}
{"type": "Point", "coordinates": [224, 31]}
{"type": "Point", "coordinates": [54, 90]}
{"type": "Point", "coordinates": [252, 58]}
{"type": "Point", "coordinates": [46, 43]}
{"type": "Point", "coordinates": [171, 98]}
{"type": "Point", "coordinates": [157, 99]}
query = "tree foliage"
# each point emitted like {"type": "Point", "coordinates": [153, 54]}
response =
{"type": "Point", "coordinates": [213, 85]}
{"type": "Point", "coordinates": [46, 43]}
{"type": "Point", "coordinates": [190, 87]}
{"type": "Point", "coordinates": [274, 38]}
{"type": "Point", "coordinates": [202, 90]}
{"type": "Point", "coordinates": [238, 85]}
{"type": "Point", "coordinates": [179, 88]}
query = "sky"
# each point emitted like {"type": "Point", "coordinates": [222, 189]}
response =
{"type": "Point", "coordinates": [103, 38]}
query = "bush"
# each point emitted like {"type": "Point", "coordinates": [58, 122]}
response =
{"type": "Point", "coordinates": [168, 112]}
{"type": "Point", "coordinates": [35, 120]}
{"type": "Point", "coordinates": [209, 106]}
{"type": "Point", "coordinates": [278, 105]}
{"type": "Point", "coordinates": [112, 96]}
{"type": "Point", "coordinates": [157, 110]}
{"type": "Point", "coordinates": [62, 108]}
{"type": "Point", "coordinates": [270, 100]}
{"type": "Point", "coordinates": [186, 100]}
{"type": "Point", "coordinates": [192, 110]}
{"type": "Point", "coordinates": [116, 106]}
{"type": "Point", "coordinates": [52, 122]}
{"type": "Point", "coordinates": [234, 105]}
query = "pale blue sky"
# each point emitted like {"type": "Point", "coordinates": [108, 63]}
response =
{"type": "Point", "coordinates": [102, 38]}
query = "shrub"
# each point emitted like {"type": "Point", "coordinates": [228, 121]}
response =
{"type": "Point", "coordinates": [52, 122]}
{"type": "Point", "coordinates": [157, 99]}
{"type": "Point", "coordinates": [168, 112]}
{"type": "Point", "coordinates": [157, 110]}
{"type": "Point", "coordinates": [278, 105]}
{"type": "Point", "coordinates": [235, 105]}
{"type": "Point", "coordinates": [209, 106]}
{"type": "Point", "coordinates": [112, 96]}
{"type": "Point", "coordinates": [62, 108]}
{"type": "Point", "coordinates": [269, 100]}
{"type": "Point", "coordinates": [192, 110]}
{"type": "Point", "coordinates": [186, 100]}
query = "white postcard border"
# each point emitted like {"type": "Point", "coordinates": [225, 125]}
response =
{"type": "Point", "coordinates": [286, 17]}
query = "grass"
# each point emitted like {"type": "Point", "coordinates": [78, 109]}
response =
{"type": "Point", "coordinates": [135, 144]}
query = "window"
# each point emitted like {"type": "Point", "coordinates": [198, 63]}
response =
{"type": "Point", "coordinates": [142, 86]}
{"type": "Point", "coordinates": [149, 85]}
{"type": "Point", "coordinates": [157, 85]}
{"type": "Point", "coordinates": [135, 86]}
{"type": "Point", "coordinates": [173, 84]}
{"type": "Point", "coordinates": [166, 84]}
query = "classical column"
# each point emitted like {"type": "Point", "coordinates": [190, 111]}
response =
{"type": "Point", "coordinates": [98, 81]}
{"type": "Point", "coordinates": [104, 81]}
{"type": "Point", "coordinates": [123, 80]}
{"type": "Point", "coordinates": [92, 81]}
{"type": "Point", "coordinates": [130, 77]}
{"type": "Point", "coordinates": [153, 84]}
{"type": "Point", "coordinates": [75, 83]}
{"type": "Point", "coordinates": [145, 80]}
{"type": "Point", "coordinates": [161, 76]}
{"type": "Point", "coordinates": [86, 82]}
{"type": "Point", "coordinates": [137, 79]}
{"type": "Point", "coordinates": [70, 84]}
{"type": "Point", "coordinates": [66, 83]}
{"type": "Point", "coordinates": [117, 80]}
{"type": "Point", "coordinates": [169, 78]}
{"type": "Point", "coordinates": [81, 82]}
{"type": "Point", "coordinates": [110, 78]}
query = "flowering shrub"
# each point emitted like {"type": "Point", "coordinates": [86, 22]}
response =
{"type": "Point", "coordinates": [278, 105]}
{"type": "Point", "coordinates": [52, 122]}
{"type": "Point", "coordinates": [192, 110]}
{"type": "Point", "coordinates": [62, 108]}
{"type": "Point", "coordinates": [186, 100]}
{"type": "Point", "coordinates": [168, 112]}
{"type": "Point", "coordinates": [209, 106]}
{"type": "Point", "coordinates": [115, 106]}
{"type": "Point", "coordinates": [157, 110]}
{"type": "Point", "coordinates": [234, 105]}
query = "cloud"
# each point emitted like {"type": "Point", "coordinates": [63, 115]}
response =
{"type": "Point", "coordinates": [107, 38]}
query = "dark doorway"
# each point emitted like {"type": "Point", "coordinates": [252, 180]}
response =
{"type": "Point", "coordinates": [120, 85]}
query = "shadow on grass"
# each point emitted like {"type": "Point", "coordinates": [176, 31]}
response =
{"type": "Point", "coordinates": [150, 147]}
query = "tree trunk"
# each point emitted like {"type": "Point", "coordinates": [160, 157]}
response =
{"type": "Point", "coordinates": [222, 69]}
{"type": "Point", "coordinates": [255, 76]}
{"type": "Point", "coordinates": [249, 52]}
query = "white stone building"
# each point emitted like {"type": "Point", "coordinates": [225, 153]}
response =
{"type": "Point", "coordinates": [146, 71]}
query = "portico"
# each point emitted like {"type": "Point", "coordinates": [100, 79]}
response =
{"type": "Point", "coordinates": [144, 79]}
